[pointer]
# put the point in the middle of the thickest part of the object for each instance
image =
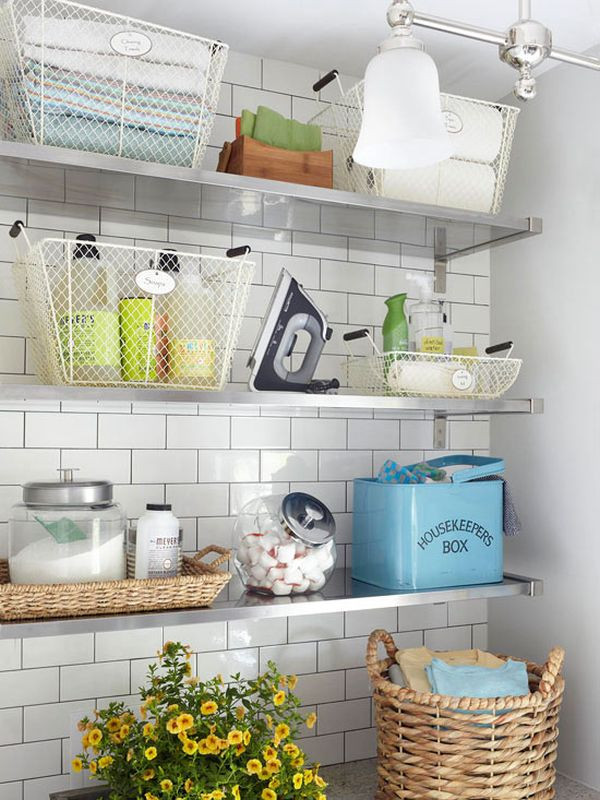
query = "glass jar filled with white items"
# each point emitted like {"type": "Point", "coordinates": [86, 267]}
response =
{"type": "Point", "coordinates": [285, 544]}
{"type": "Point", "coordinates": [66, 531]}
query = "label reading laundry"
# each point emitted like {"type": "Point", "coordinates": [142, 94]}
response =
{"type": "Point", "coordinates": [95, 338]}
{"type": "Point", "coordinates": [192, 358]}
{"type": "Point", "coordinates": [450, 526]}
{"type": "Point", "coordinates": [432, 344]}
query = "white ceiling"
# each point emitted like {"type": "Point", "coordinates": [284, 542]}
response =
{"type": "Point", "coordinates": [345, 33]}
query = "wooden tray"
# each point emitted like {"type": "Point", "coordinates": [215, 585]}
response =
{"type": "Point", "coordinates": [200, 583]}
{"type": "Point", "coordinates": [247, 156]}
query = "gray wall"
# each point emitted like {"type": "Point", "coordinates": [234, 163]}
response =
{"type": "Point", "coordinates": [546, 296]}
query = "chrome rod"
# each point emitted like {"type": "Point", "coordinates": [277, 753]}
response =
{"type": "Point", "coordinates": [495, 37]}
{"type": "Point", "coordinates": [524, 9]}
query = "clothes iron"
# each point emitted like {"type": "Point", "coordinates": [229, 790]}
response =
{"type": "Point", "coordinates": [290, 311]}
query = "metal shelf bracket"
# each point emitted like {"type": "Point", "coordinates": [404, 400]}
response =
{"type": "Point", "coordinates": [440, 260]}
{"type": "Point", "coordinates": [440, 432]}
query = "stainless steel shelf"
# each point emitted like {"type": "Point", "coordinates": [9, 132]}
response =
{"type": "Point", "coordinates": [340, 594]}
{"type": "Point", "coordinates": [465, 232]}
{"type": "Point", "coordinates": [14, 392]}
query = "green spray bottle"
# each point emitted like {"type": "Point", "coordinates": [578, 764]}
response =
{"type": "Point", "coordinates": [395, 325]}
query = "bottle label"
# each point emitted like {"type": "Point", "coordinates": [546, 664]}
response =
{"type": "Point", "coordinates": [95, 338]}
{"type": "Point", "coordinates": [192, 358]}
{"type": "Point", "coordinates": [163, 556]}
{"type": "Point", "coordinates": [432, 344]}
{"type": "Point", "coordinates": [138, 340]}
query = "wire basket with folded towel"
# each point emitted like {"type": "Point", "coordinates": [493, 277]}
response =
{"type": "Point", "coordinates": [82, 78]}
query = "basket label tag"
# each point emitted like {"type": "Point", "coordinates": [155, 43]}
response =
{"type": "Point", "coordinates": [131, 43]}
{"type": "Point", "coordinates": [462, 380]}
{"type": "Point", "coordinates": [454, 123]}
{"type": "Point", "coordinates": [155, 281]}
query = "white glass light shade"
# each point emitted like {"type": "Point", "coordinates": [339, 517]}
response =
{"type": "Point", "coordinates": [402, 124]}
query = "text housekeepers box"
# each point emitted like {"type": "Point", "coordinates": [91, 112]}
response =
{"type": "Point", "coordinates": [429, 535]}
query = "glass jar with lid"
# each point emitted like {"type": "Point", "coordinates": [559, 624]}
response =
{"type": "Point", "coordinates": [66, 531]}
{"type": "Point", "coordinates": [285, 544]}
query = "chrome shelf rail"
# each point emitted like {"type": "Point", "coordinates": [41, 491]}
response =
{"type": "Point", "coordinates": [341, 594]}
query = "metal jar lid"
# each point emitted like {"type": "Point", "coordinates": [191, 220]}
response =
{"type": "Point", "coordinates": [68, 492]}
{"type": "Point", "coordinates": [307, 519]}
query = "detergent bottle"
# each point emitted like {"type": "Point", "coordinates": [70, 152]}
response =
{"type": "Point", "coordinates": [395, 325]}
{"type": "Point", "coordinates": [425, 318]}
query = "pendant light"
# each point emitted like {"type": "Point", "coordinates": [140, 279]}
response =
{"type": "Point", "coordinates": [402, 126]}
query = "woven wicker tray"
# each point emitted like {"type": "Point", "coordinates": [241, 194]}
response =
{"type": "Point", "coordinates": [200, 583]}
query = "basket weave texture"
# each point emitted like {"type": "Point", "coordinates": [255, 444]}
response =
{"type": "Point", "coordinates": [200, 583]}
{"type": "Point", "coordinates": [436, 747]}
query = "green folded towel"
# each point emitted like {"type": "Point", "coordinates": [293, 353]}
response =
{"type": "Point", "coordinates": [272, 128]}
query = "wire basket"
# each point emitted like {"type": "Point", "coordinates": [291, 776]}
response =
{"type": "Point", "coordinates": [87, 79]}
{"type": "Point", "coordinates": [406, 374]}
{"type": "Point", "coordinates": [473, 179]}
{"type": "Point", "coordinates": [111, 315]}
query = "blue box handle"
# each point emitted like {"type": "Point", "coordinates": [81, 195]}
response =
{"type": "Point", "coordinates": [479, 466]}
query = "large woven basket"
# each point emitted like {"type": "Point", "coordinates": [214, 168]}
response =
{"type": "Point", "coordinates": [200, 583]}
{"type": "Point", "coordinates": [449, 748]}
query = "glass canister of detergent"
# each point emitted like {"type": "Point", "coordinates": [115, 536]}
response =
{"type": "Point", "coordinates": [138, 323]}
{"type": "Point", "coordinates": [192, 321]}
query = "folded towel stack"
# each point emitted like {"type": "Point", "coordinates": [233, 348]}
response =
{"type": "Point", "coordinates": [272, 128]}
{"type": "Point", "coordinates": [83, 94]}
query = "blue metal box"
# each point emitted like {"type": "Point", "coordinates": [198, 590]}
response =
{"type": "Point", "coordinates": [408, 536]}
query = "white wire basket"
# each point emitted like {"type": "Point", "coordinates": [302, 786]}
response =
{"type": "Point", "coordinates": [111, 315]}
{"type": "Point", "coordinates": [406, 374]}
{"type": "Point", "coordinates": [87, 79]}
{"type": "Point", "coordinates": [473, 179]}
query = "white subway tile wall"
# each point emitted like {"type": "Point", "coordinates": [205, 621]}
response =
{"type": "Point", "coordinates": [208, 461]}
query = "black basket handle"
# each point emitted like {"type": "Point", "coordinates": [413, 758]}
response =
{"type": "Point", "coordinates": [498, 348]}
{"type": "Point", "coordinates": [234, 252]}
{"type": "Point", "coordinates": [325, 80]}
{"type": "Point", "coordinates": [16, 228]}
{"type": "Point", "coordinates": [350, 337]}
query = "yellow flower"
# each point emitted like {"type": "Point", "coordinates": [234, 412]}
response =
{"type": "Point", "coordinates": [218, 794]}
{"type": "Point", "coordinates": [264, 774]}
{"type": "Point", "coordinates": [269, 720]}
{"type": "Point", "coordinates": [182, 736]}
{"type": "Point", "coordinates": [297, 780]}
{"type": "Point", "coordinates": [283, 681]}
{"type": "Point", "coordinates": [253, 767]}
{"type": "Point", "coordinates": [235, 792]}
{"type": "Point", "coordinates": [297, 762]}
{"type": "Point", "coordinates": [148, 730]}
{"type": "Point", "coordinates": [124, 731]}
{"type": "Point", "coordinates": [166, 785]}
{"type": "Point", "coordinates": [292, 682]}
{"type": "Point", "coordinates": [150, 796]}
{"type": "Point", "coordinates": [279, 698]}
{"type": "Point", "coordinates": [77, 765]}
{"type": "Point", "coordinates": [188, 785]}
{"type": "Point", "coordinates": [321, 796]}
{"type": "Point", "coordinates": [308, 776]}
{"type": "Point", "coordinates": [311, 719]}
{"type": "Point", "coordinates": [240, 713]}
{"type": "Point", "coordinates": [173, 707]}
{"type": "Point", "coordinates": [113, 725]}
{"type": "Point", "coordinates": [209, 707]}
{"type": "Point", "coordinates": [320, 782]}
{"type": "Point", "coordinates": [223, 744]}
{"type": "Point", "coordinates": [212, 742]}
{"type": "Point", "coordinates": [291, 750]}
{"type": "Point", "coordinates": [129, 754]}
{"type": "Point", "coordinates": [282, 731]}
{"type": "Point", "coordinates": [143, 711]}
{"type": "Point", "coordinates": [173, 726]}
{"type": "Point", "coordinates": [269, 753]}
{"type": "Point", "coordinates": [193, 681]}
{"type": "Point", "coordinates": [85, 741]}
{"type": "Point", "coordinates": [274, 783]}
{"type": "Point", "coordinates": [203, 748]}
{"type": "Point", "coordinates": [273, 766]}
{"type": "Point", "coordinates": [105, 761]}
{"type": "Point", "coordinates": [148, 774]}
{"type": "Point", "coordinates": [247, 737]}
{"type": "Point", "coordinates": [95, 737]}
{"type": "Point", "coordinates": [186, 721]}
{"type": "Point", "coordinates": [93, 767]}
{"type": "Point", "coordinates": [240, 750]}
{"type": "Point", "coordinates": [189, 747]}
{"type": "Point", "coordinates": [268, 794]}
{"type": "Point", "coordinates": [150, 753]}
{"type": "Point", "coordinates": [235, 737]}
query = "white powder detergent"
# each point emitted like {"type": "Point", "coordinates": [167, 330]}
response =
{"type": "Point", "coordinates": [47, 561]}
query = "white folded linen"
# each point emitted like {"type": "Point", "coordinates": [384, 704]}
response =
{"type": "Point", "coordinates": [95, 37]}
{"type": "Point", "coordinates": [476, 129]}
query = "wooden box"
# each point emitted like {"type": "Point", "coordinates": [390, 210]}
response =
{"type": "Point", "coordinates": [247, 156]}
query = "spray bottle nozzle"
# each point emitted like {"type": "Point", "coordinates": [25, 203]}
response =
{"type": "Point", "coordinates": [424, 281]}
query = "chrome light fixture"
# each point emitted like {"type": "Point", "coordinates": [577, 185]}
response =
{"type": "Point", "coordinates": [402, 125]}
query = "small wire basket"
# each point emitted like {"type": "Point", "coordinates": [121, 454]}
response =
{"type": "Point", "coordinates": [86, 79]}
{"type": "Point", "coordinates": [473, 179]}
{"type": "Point", "coordinates": [406, 374]}
{"type": "Point", "coordinates": [113, 315]}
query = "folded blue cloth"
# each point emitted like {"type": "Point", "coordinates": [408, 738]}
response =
{"type": "Point", "coordinates": [509, 680]}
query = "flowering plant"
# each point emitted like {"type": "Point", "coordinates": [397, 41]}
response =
{"type": "Point", "coordinates": [202, 740]}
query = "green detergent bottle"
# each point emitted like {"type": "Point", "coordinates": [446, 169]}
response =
{"type": "Point", "coordinates": [395, 325]}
